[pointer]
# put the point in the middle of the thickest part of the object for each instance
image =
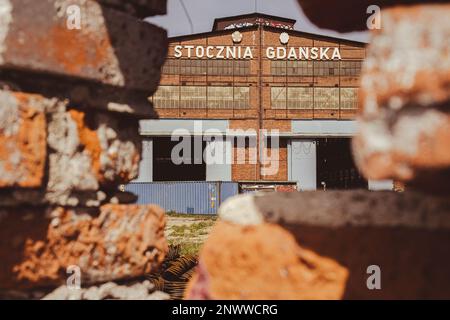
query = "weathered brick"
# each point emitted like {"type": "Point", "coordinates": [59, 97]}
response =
{"type": "Point", "coordinates": [404, 126]}
{"type": "Point", "coordinates": [110, 291]}
{"type": "Point", "coordinates": [114, 242]}
{"type": "Point", "coordinates": [111, 47]}
{"type": "Point", "coordinates": [319, 245]}
{"type": "Point", "coordinates": [138, 8]}
{"type": "Point", "coordinates": [403, 145]}
{"type": "Point", "coordinates": [22, 139]}
{"type": "Point", "coordinates": [408, 60]}
{"type": "Point", "coordinates": [264, 262]}
{"type": "Point", "coordinates": [88, 152]}
{"type": "Point", "coordinates": [66, 156]}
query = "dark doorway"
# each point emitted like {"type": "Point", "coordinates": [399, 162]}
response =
{"type": "Point", "coordinates": [164, 169]}
{"type": "Point", "coordinates": [335, 166]}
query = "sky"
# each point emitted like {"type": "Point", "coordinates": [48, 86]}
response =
{"type": "Point", "coordinates": [203, 13]}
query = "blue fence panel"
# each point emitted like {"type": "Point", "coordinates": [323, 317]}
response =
{"type": "Point", "coordinates": [227, 190]}
{"type": "Point", "coordinates": [184, 197]}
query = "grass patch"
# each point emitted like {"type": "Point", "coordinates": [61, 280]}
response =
{"type": "Point", "coordinates": [188, 231]}
{"type": "Point", "coordinates": [193, 216]}
{"type": "Point", "coordinates": [187, 248]}
{"type": "Point", "coordinates": [194, 229]}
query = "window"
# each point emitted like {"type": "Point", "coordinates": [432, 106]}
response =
{"type": "Point", "coordinates": [326, 68]}
{"type": "Point", "coordinates": [171, 66]}
{"type": "Point", "coordinates": [349, 98]}
{"type": "Point", "coordinates": [300, 98]}
{"type": "Point", "coordinates": [241, 97]}
{"type": "Point", "coordinates": [278, 97]}
{"type": "Point", "coordinates": [193, 97]}
{"type": "Point", "coordinates": [203, 67]}
{"type": "Point", "coordinates": [326, 98]}
{"type": "Point", "coordinates": [351, 68]}
{"type": "Point", "coordinates": [300, 68]}
{"type": "Point", "coordinates": [220, 97]}
{"type": "Point", "coordinates": [192, 67]}
{"type": "Point", "coordinates": [220, 67]}
{"type": "Point", "coordinates": [321, 68]}
{"type": "Point", "coordinates": [167, 97]}
{"type": "Point", "coordinates": [241, 67]}
{"type": "Point", "coordinates": [278, 68]}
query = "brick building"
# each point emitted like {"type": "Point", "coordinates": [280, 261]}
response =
{"type": "Point", "coordinates": [251, 75]}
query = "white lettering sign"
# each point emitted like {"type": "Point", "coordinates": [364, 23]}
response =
{"type": "Point", "coordinates": [272, 53]}
{"type": "Point", "coordinates": [214, 52]}
{"type": "Point", "coordinates": [303, 53]}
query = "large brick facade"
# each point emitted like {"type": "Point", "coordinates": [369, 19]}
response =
{"type": "Point", "coordinates": [260, 32]}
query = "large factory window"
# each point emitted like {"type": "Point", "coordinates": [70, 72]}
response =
{"type": "Point", "coordinates": [241, 67]}
{"type": "Point", "coordinates": [320, 69]}
{"type": "Point", "coordinates": [241, 97]}
{"type": "Point", "coordinates": [220, 97]}
{"type": "Point", "coordinates": [300, 68]}
{"type": "Point", "coordinates": [278, 68]}
{"type": "Point", "coordinates": [349, 98]}
{"type": "Point", "coordinates": [196, 97]}
{"type": "Point", "coordinates": [300, 98]}
{"type": "Point", "coordinates": [351, 68]}
{"type": "Point", "coordinates": [167, 97]}
{"type": "Point", "coordinates": [191, 66]}
{"type": "Point", "coordinates": [278, 97]}
{"type": "Point", "coordinates": [164, 167]}
{"type": "Point", "coordinates": [171, 66]}
{"type": "Point", "coordinates": [317, 98]}
{"type": "Point", "coordinates": [326, 98]}
{"type": "Point", "coordinates": [326, 68]}
{"type": "Point", "coordinates": [203, 67]}
{"type": "Point", "coordinates": [220, 67]}
{"type": "Point", "coordinates": [193, 97]}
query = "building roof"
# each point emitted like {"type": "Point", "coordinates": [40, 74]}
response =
{"type": "Point", "coordinates": [254, 18]}
{"type": "Point", "coordinates": [217, 30]}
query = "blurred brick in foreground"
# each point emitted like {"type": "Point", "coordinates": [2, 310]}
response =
{"type": "Point", "coordinates": [22, 139]}
{"type": "Point", "coordinates": [348, 15]}
{"type": "Point", "coordinates": [318, 245]}
{"type": "Point", "coordinates": [116, 242]}
{"type": "Point", "coordinates": [404, 125]}
{"type": "Point", "coordinates": [110, 47]}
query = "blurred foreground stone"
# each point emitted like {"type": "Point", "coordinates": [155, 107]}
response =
{"type": "Point", "coordinates": [109, 291]}
{"type": "Point", "coordinates": [404, 120]}
{"type": "Point", "coordinates": [319, 245]}
{"type": "Point", "coordinates": [348, 15]}
{"type": "Point", "coordinates": [116, 242]}
{"type": "Point", "coordinates": [71, 98]}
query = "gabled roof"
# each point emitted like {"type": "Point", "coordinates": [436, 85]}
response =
{"type": "Point", "coordinates": [264, 16]}
{"type": "Point", "coordinates": [252, 16]}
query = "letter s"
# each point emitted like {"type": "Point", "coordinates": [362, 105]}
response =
{"type": "Point", "coordinates": [178, 52]}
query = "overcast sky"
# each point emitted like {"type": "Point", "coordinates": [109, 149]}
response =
{"type": "Point", "coordinates": [203, 13]}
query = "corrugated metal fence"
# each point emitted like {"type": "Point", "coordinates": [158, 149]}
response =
{"type": "Point", "coordinates": [184, 197]}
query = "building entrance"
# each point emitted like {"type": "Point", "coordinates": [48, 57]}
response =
{"type": "Point", "coordinates": [335, 166]}
{"type": "Point", "coordinates": [166, 169]}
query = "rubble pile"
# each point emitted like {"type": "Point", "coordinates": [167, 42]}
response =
{"type": "Point", "coordinates": [357, 244]}
{"type": "Point", "coordinates": [73, 86]}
